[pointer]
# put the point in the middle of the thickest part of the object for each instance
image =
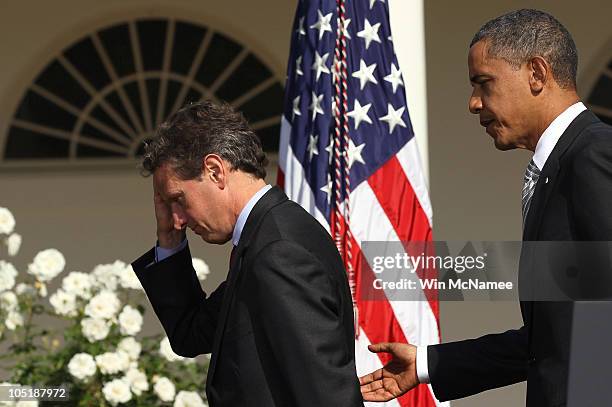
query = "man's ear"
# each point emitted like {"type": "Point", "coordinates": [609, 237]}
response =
{"type": "Point", "coordinates": [540, 73]}
{"type": "Point", "coordinates": [215, 169]}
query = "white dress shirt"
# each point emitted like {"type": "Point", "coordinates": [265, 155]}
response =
{"type": "Point", "coordinates": [545, 146]}
{"type": "Point", "coordinates": [161, 253]}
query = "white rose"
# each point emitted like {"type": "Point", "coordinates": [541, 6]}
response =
{"type": "Point", "coordinates": [79, 284]}
{"type": "Point", "coordinates": [128, 278]}
{"type": "Point", "coordinates": [107, 275]}
{"type": "Point", "coordinates": [13, 320]}
{"type": "Point", "coordinates": [166, 351]}
{"type": "Point", "coordinates": [188, 399]}
{"type": "Point", "coordinates": [130, 321]}
{"type": "Point", "coordinates": [117, 391]}
{"type": "Point", "coordinates": [104, 305]}
{"type": "Point", "coordinates": [23, 288]}
{"type": "Point", "coordinates": [201, 268]}
{"type": "Point", "coordinates": [63, 303]}
{"type": "Point", "coordinates": [7, 221]}
{"type": "Point", "coordinates": [29, 403]}
{"type": "Point", "coordinates": [164, 389]}
{"type": "Point", "coordinates": [82, 366]}
{"type": "Point", "coordinates": [13, 243]}
{"type": "Point", "coordinates": [41, 288]}
{"type": "Point", "coordinates": [47, 264]}
{"type": "Point", "coordinates": [7, 275]}
{"type": "Point", "coordinates": [130, 346]}
{"type": "Point", "coordinates": [113, 362]}
{"type": "Point", "coordinates": [95, 329]}
{"type": "Point", "coordinates": [137, 381]}
{"type": "Point", "coordinates": [8, 301]}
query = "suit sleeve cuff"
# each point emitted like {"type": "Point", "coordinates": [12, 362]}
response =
{"type": "Point", "coordinates": [161, 253]}
{"type": "Point", "coordinates": [421, 364]}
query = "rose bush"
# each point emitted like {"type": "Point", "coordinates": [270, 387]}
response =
{"type": "Point", "coordinates": [90, 344]}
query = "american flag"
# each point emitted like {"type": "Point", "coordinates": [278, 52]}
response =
{"type": "Point", "coordinates": [348, 155]}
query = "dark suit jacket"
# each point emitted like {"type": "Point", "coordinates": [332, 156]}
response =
{"type": "Point", "coordinates": [280, 328]}
{"type": "Point", "coordinates": [575, 204]}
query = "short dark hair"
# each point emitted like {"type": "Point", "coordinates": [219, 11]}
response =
{"type": "Point", "coordinates": [203, 128]}
{"type": "Point", "coordinates": [523, 34]}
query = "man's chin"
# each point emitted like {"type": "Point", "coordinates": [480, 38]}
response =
{"type": "Point", "coordinates": [501, 145]}
{"type": "Point", "coordinates": [216, 239]}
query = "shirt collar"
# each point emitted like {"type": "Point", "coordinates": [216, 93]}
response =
{"type": "Point", "coordinates": [244, 214]}
{"type": "Point", "coordinates": [553, 133]}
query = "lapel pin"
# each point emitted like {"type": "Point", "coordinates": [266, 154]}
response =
{"type": "Point", "coordinates": [546, 180]}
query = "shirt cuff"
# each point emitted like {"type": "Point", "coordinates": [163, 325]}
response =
{"type": "Point", "coordinates": [422, 370]}
{"type": "Point", "coordinates": [162, 253]}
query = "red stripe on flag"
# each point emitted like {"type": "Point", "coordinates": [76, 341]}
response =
{"type": "Point", "coordinates": [401, 205]}
{"type": "Point", "coordinates": [378, 322]}
{"type": "Point", "coordinates": [280, 178]}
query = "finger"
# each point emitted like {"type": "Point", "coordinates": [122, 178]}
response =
{"type": "Point", "coordinates": [380, 347]}
{"type": "Point", "coordinates": [373, 386]}
{"type": "Point", "coordinates": [375, 375]}
{"type": "Point", "coordinates": [378, 395]}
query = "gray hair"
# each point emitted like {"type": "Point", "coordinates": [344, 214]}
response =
{"type": "Point", "coordinates": [203, 128]}
{"type": "Point", "coordinates": [523, 34]}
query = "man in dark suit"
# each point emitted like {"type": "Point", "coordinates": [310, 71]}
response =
{"type": "Point", "coordinates": [522, 67]}
{"type": "Point", "coordinates": [280, 328]}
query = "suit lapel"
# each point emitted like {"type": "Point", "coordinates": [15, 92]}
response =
{"type": "Point", "coordinates": [270, 199]}
{"type": "Point", "coordinates": [548, 176]}
{"type": "Point", "coordinates": [544, 187]}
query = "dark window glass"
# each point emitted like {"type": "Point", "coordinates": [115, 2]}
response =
{"type": "Point", "coordinates": [152, 37]}
{"type": "Point", "coordinates": [92, 132]}
{"type": "Point", "coordinates": [118, 46]}
{"type": "Point", "coordinates": [58, 81]}
{"type": "Point", "coordinates": [153, 95]}
{"type": "Point", "coordinates": [269, 137]}
{"type": "Point", "coordinates": [90, 151]}
{"type": "Point", "coordinates": [172, 90]}
{"type": "Point", "coordinates": [86, 60]}
{"type": "Point", "coordinates": [192, 96]}
{"type": "Point", "coordinates": [220, 53]}
{"type": "Point", "coordinates": [249, 73]}
{"type": "Point", "coordinates": [268, 103]}
{"type": "Point", "coordinates": [601, 94]}
{"type": "Point", "coordinates": [37, 109]}
{"type": "Point", "coordinates": [101, 115]}
{"type": "Point", "coordinates": [23, 144]}
{"type": "Point", "coordinates": [131, 89]}
{"type": "Point", "coordinates": [117, 105]}
{"type": "Point", "coordinates": [187, 40]}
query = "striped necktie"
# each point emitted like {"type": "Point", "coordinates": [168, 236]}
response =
{"type": "Point", "coordinates": [531, 178]}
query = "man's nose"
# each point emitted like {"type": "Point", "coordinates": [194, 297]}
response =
{"type": "Point", "coordinates": [475, 104]}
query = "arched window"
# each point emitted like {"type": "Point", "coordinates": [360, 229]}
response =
{"type": "Point", "coordinates": [103, 95]}
{"type": "Point", "coordinates": [600, 98]}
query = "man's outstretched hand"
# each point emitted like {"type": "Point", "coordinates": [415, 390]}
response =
{"type": "Point", "coordinates": [395, 378]}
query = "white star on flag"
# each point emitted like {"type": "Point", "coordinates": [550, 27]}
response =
{"type": "Point", "coordinates": [300, 29]}
{"type": "Point", "coordinates": [394, 78]}
{"type": "Point", "coordinates": [354, 153]}
{"type": "Point", "coordinates": [319, 64]}
{"type": "Point", "coordinates": [298, 66]}
{"type": "Point", "coordinates": [327, 188]}
{"type": "Point", "coordinates": [315, 106]}
{"type": "Point", "coordinates": [346, 24]}
{"type": "Point", "coordinates": [323, 24]}
{"type": "Point", "coordinates": [330, 149]}
{"type": "Point", "coordinates": [369, 33]}
{"type": "Point", "coordinates": [360, 113]}
{"type": "Point", "coordinates": [312, 146]}
{"type": "Point", "coordinates": [393, 117]}
{"type": "Point", "coordinates": [365, 74]}
{"type": "Point", "coordinates": [296, 107]}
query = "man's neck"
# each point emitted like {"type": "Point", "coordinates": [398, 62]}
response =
{"type": "Point", "coordinates": [554, 107]}
{"type": "Point", "coordinates": [244, 186]}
